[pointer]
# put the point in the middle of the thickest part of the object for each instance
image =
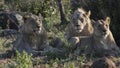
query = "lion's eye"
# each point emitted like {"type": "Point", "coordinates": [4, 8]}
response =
{"type": "Point", "coordinates": [81, 19]}
{"type": "Point", "coordinates": [99, 26]}
{"type": "Point", "coordinates": [39, 20]}
{"type": "Point", "coordinates": [106, 25]}
{"type": "Point", "coordinates": [84, 15]}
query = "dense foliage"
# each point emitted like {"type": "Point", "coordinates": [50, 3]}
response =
{"type": "Point", "coordinates": [50, 11]}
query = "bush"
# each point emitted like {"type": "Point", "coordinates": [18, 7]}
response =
{"type": "Point", "coordinates": [23, 60]}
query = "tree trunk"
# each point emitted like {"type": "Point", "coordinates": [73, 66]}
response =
{"type": "Point", "coordinates": [63, 19]}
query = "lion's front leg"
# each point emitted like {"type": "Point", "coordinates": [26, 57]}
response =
{"type": "Point", "coordinates": [74, 41]}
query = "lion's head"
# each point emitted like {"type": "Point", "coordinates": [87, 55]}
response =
{"type": "Point", "coordinates": [101, 28]}
{"type": "Point", "coordinates": [79, 19]}
{"type": "Point", "coordinates": [32, 25]}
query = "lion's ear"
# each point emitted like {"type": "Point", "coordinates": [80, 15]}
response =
{"type": "Point", "coordinates": [25, 17]}
{"type": "Point", "coordinates": [40, 16]}
{"type": "Point", "coordinates": [107, 20]}
{"type": "Point", "coordinates": [88, 13]}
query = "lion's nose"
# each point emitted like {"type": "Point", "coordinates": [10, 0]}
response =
{"type": "Point", "coordinates": [38, 26]}
{"type": "Point", "coordinates": [104, 31]}
{"type": "Point", "coordinates": [77, 25]}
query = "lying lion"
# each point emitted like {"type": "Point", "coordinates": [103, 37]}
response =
{"type": "Point", "coordinates": [101, 43]}
{"type": "Point", "coordinates": [32, 35]}
{"type": "Point", "coordinates": [80, 26]}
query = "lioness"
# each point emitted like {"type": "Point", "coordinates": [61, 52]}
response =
{"type": "Point", "coordinates": [32, 35]}
{"type": "Point", "coordinates": [101, 43]}
{"type": "Point", "coordinates": [80, 25]}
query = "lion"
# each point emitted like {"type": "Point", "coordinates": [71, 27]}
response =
{"type": "Point", "coordinates": [101, 43]}
{"type": "Point", "coordinates": [32, 35]}
{"type": "Point", "coordinates": [80, 26]}
{"type": "Point", "coordinates": [103, 63]}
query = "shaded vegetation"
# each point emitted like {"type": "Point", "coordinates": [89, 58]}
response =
{"type": "Point", "coordinates": [50, 11]}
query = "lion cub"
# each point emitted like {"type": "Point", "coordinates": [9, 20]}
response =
{"type": "Point", "coordinates": [101, 43]}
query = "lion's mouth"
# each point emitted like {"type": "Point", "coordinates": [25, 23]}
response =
{"type": "Point", "coordinates": [37, 30]}
{"type": "Point", "coordinates": [104, 33]}
{"type": "Point", "coordinates": [78, 29]}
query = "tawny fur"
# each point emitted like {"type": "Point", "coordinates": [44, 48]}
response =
{"type": "Point", "coordinates": [32, 35]}
{"type": "Point", "coordinates": [84, 25]}
{"type": "Point", "coordinates": [101, 43]}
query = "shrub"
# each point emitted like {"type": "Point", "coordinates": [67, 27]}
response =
{"type": "Point", "coordinates": [23, 60]}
